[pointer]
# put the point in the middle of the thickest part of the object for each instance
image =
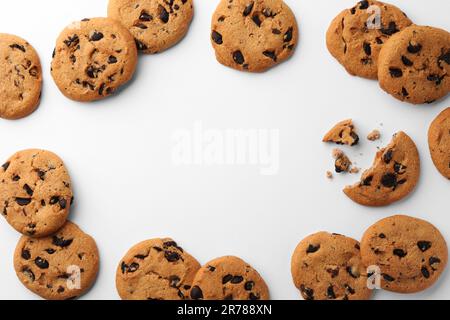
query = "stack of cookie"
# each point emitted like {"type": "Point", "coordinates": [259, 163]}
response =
{"type": "Point", "coordinates": [54, 258]}
{"type": "Point", "coordinates": [400, 254]}
{"type": "Point", "coordinates": [159, 269]}
{"type": "Point", "coordinates": [376, 40]}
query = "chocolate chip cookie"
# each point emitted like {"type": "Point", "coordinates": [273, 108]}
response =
{"type": "Point", "coordinates": [328, 266]}
{"type": "Point", "coordinates": [58, 267]}
{"type": "Point", "coordinates": [20, 77]}
{"type": "Point", "coordinates": [253, 35]}
{"type": "Point", "coordinates": [93, 58]}
{"type": "Point", "coordinates": [414, 66]}
{"type": "Point", "coordinates": [393, 176]}
{"type": "Point", "coordinates": [155, 24]}
{"type": "Point", "coordinates": [156, 269]}
{"type": "Point", "coordinates": [411, 253]}
{"type": "Point", "coordinates": [35, 192]}
{"type": "Point", "coordinates": [356, 35]}
{"type": "Point", "coordinates": [228, 278]}
{"type": "Point", "coordinates": [439, 142]}
{"type": "Point", "coordinates": [342, 133]}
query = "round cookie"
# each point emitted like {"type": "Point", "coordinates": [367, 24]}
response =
{"type": "Point", "coordinates": [93, 58]}
{"type": "Point", "coordinates": [35, 192]}
{"type": "Point", "coordinates": [228, 278]}
{"type": "Point", "coordinates": [253, 35]}
{"type": "Point", "coordinates": [155, 24]}
{"type": "Point", "coordinates": [355, 39]}
{"type": "Point", "coordinates": [156, 269]}
{"type": "Point", "coordinates": [328, 266]}
{"type": "Point", "coordinates": [439, 142]}
{"type": "Point", "coordinates": [58, 267]}
{"type": "Point", "coordinates": [414, 66]}
{"type": "Point", "coordinates": [394, 174]}
{"type": "Point", "coordinates": [411, 253]}
{"type": "Point", "coordinates": [20, 77]}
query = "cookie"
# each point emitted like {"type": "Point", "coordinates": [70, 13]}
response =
{"type": "Point", "coordinates": [58, 267]}
{"type": "Point", "coordinates": [414, 66]}
{"type": "Point", "coordinates": [20, 77]}
{"type": "Point", "coordinates": [93, 58]}
{"type": "Point", "coordinates": [411, 253]}
{"type": "Point", "coordinates": [35, 192]}
{"type": "Point", "coordinates": [356, 35]}
{"type": "Point", "coordinates": [253, 35]}
{"type": "Point", "coordinates": [342, 133]}
{"type": "Point", "coordinates": [393, 176]}
{"type": "Point", "coordinates": [328, 266]}
{"type": "Point", "coordinates": [439, 142]}
{"type": "Point", "coordinates": [156, 269]}
{"type": "Point", "coordinates": [155, 24]}
{"type": "Point", "coordinates": [228, 278]}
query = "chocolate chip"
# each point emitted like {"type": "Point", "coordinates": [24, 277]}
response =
{"type": "Point", "coordinates": [60, 289]}
{"type": "Point", "coordinates": [414, 48]}
{"type": "Point", "coordinates": [174, 281]}
{"type": "Point", "coordinates": [367, 48]}
{"type": "Point", "coordinates": [54, 200]}
{"type": "Point", "coordinates": [435, 78]}
{"type": "Point", "coordinates": [17, 46]}
{"type": "Point", "coordinates": [307, 293]}
{"type": "Point", "coordinates": [61, 242]}
{"type": "Point", "coordinates": [29, 274]}
{"type": "Point", "coordinates": [217, 37]}
{"type": "Point", "coordinates": [144, 16]}
{"type": "Point", "coordinates": [256, 20]}
{"type": "Point", "coordinates": [425, 272]}
{"type": "Point", "coordinates": [312, 248]}
{"type": "Point", "coordinates": [238, 57]}
{"type": "Point", "coordinates": [101, 89]}
{"type": "Point", "coordinates": [253, 296]}
{"type": "Point", "coordinates": [330, 293]}
{"type": "Point", "coordinates": [399, 253]}
{"type": "Point", "coordinates": [405, 92]}
{"type": "Point", "coordinates": [41, 263]}
{"type": "Point", "coordinates": [445, 57]}
{"type": "Point", "coordinates": [237, 279]}
{"type": "Point", "coordinates": [123, 267]}
{"type": "Point", "coordinates": [399, 168]}
{"type": "Point", "coordinates": [15, 178]}
{"type": "Point", "coordinates": [28, 190]}
{"type": "Point", "coordinates": [72, 41]}
{"type": "Point", "coordinates": [140, 46]}
{"type": "Point", "coordinates": [248, 9]}
{"type": "Point", "coordinates": [171, 256]}
{"type": "Point", "coordinates": [363, 5]}
{"type": "Point", "coordinates": [387, 156]}
{"type": "Point", "coordinates": [424, 245]}
{"type": "Point", "coordinates": [387, 277]}
{"type": "Point", "coordinates": [270, 54]}
{"type": "Point", "coordinates": [334, 272]}
{"type": "Point", "coordinates": [26, 254]}
{"type": "Point", "coordinates": [352, 273]}
{"type": "Point", "coordinates": [23, 201]}
{"type": "Point", "coordinates": [268, 13]}
{"type": "Point", "coordinates": [96, 36]}
{"type": "Point", "coordinates": [133, 267]}
{"type": "Point", "coordinates": [227, 278]}
{"type": "Point", "coordinates": [379, 40]}
{"type": "Point", "coordinates": [382, 236]}
{"type": "Point", "coordinates": [163, 14]}
{"type": "Point", "coordinates": [5, 166]}
{"type": "Point", "coordinates": [211, 268]}
{"type": "Point", "coordinates": [249, 285]}
{"type": "Point", "coordinates": [367, 181]}
{"type": "Point", "coordinates": [288, 35]}
{"type": "Point", "coordinates": [353, 10]}
{"type": "Point", "coordinates": [50, 251]}
{"type": "Point", "coordinates": [41, 174]}
{"type": "Point", "coordinates": [276, 31]}
{"type": "Point", "coordinates": [389, 180]}
{"type": "Point", "coordinates": [196, 293]}
{"type": "Point", "coordinates": [395, 72]}
{"type": "Point", "coordinates": [406, 61]}
{"type": "Point", "coordinates": [62, 203]}
{"type": "Point", "coordinates": [112, 60]}
{"type": "Point", "coordinates": [390, 30]}
{"type": "Point", "coordinates": [433, 260]}
{"type": "Point", "coordinates": [349, 289]}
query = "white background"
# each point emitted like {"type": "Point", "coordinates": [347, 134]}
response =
{"type": "Point", "coordinates": [118, 151]}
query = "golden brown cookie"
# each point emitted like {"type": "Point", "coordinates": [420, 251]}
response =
{"type": "Point", "coordinates": [156, 269]}
{"type": "Point", "coordinates": [155, 24]}
{"type": "Point", "coordinates": [356, 35]}
{"type": "Point", "coordinates": [414, 66]}
{"type": "Point", "coordinates": [439, 142]}
{"type": "Point", "coordinates": [228, 278]}
{"type": "Point", "coordinates": [328, 266]}
{"type": "Point", "coordinates": [342, 133]}
{"type": "Point", "coordinates": [35, 192]}
{"type": "Point", "coordinates": [393, 176]}
{"type": "Point", "coordinates": [20, 77]}
{"type": "Point", "coordinates": [253, 35]}
{"type": "Point", "coordinates": [411, 253]}
{"type": "Point", "coordinates": [58, 267]}
{"type": "Point", "coordinates": [93, 58]}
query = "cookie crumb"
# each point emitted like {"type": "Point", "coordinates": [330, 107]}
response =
{"type": "Point", "coordinates": [329, 175]}
{"type": "Point", "coordinates": [374, 135]}
{"type": "Point", "coordinates": [342, 163]}
{"type": "Point", "coordinates": [337, 153]}
{"type": "Point", "coordinates": [354, 170]}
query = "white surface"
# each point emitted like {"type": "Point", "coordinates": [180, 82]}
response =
{"type": "Point", "coordinates": [127, 188]}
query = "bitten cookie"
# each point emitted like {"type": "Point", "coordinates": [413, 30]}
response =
{"type": "Point", "coordinates": [393, 176]}
{"type": "Point", "coordinates": [328, 266]}
{"type": "Point", "coordinates": [228, 278]}
{"type": "Point", "coordinates": [20, 77]}
{"type": "Point", "coordinates": [253, 35]}
{"type": "Point", "coordinates": [93, 58]}
{"type": "Point", "coordinates": [156, 269]}
{"type": "Point", "coordinates": [155, 24]}
{"type": "Point", "coordinates": [342, 133]}
{"type": "Point", "coordinates": [58, 267]}
{"type": "Point", "coordinates": [35, 192]}
{"type": "Point", "coordinates": [414, 66]}
{"type": "Point", "coordinates": [439, 142]}
{"type": "Point", "coordinates": [356, 35]}
{"type": "Point", "coordinates": [411, 253]}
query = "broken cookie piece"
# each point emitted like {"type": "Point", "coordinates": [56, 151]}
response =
{"type": "Point", "coordinates": [393, 176]}
{"type": "Point", "coordinates": [342, 162]}
{"type": "Point", "coordinates": [342, 133]}
{"type": "Point", "coordinates": [374, 135]}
